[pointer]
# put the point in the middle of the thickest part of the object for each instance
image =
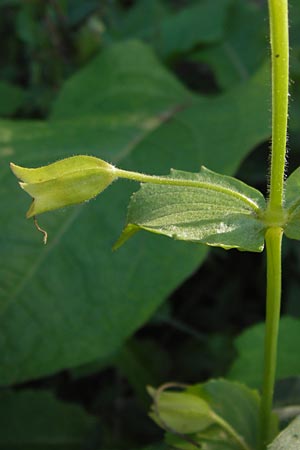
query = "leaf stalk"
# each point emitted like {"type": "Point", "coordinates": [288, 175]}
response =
{"type": "Point", "coordinates": [169, 181]}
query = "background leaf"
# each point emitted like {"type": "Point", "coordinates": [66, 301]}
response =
{"type": "Point", "coordinates": [143, 20]}
{"type": "Point", "coordinates": [199, 23]}
{"type": "Point", "coordinates": [292, 196]}
{"type": "Point", "coordinates": [248, 367]}
{"type": "Point", "coordinates": [174, 33]}
{"type": "Point", "coordinates": [36, 420]}
{"type": "Point", "coordinates": [74, 300]}
{"type": "Point", "coordinates": [292, 188]}
{"type": "Point", "coordinates": [239, 54]}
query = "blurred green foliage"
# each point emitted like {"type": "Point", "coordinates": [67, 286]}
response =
{"type": "Point", "coordinates": [147, 84]}
{"type": "Point", "coordinates": [36, 419]}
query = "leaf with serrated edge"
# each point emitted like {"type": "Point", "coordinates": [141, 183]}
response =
{"type": "Point", "coordinates": [221, 211]}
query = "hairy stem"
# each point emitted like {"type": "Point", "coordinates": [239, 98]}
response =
{"type": "Point", "coordinates": [273, 244]}
{"type": "Point", "coordinates": [278, 10]}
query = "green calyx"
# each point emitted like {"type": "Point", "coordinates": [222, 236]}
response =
{"type": "Point", "coordinates": [63, 183]}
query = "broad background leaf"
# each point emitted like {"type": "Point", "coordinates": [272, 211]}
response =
{"type": "Point", "coordinates": [239, 54]}
{"type": "Point", "coordinates": [37, 420]}
{"type": "Point", "coordinates": [174, 33]}
{"type": "Point", "coordinates": [74, 300]}
{"type": "Point", "coordinates": [248, 366]}
{"type": "Point", "coordinates": [203, 23]}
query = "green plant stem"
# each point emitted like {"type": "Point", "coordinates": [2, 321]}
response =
{"type": "Point", "coordinates": [273, 245]}
{"type": "Point", "coordinates": [275, 214]}
{"type": "Point", "coordinates": [278, 10]}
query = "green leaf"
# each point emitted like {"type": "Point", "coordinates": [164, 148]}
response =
{"type": "Point", "coordinates": [248, 367]}
{"type": "Point", "coordinates": [124, 87]}
{"type": "Point", "coordinates": [244, 47]}
{"type": "Point", "coordinates": [219, 211]}
{"type": "Point", "coordinates": [289, 438]}
{"type": "Point", "coordinates": [292, 189]}
{"type": "Point", "coordinates": [143, 20]}
{"type": "Point", "coordinates": [292, 203]}
{"type": "Point", "coordinates": [74, 300]}
{"type": "Point", "coordinates": [37, 420]}
{"type": "Point", "coordinates": [170, 34]}
{"type": "Point", "coordinates": [196, 24]}
{"type": "Point", "coordinates": [63, 183]}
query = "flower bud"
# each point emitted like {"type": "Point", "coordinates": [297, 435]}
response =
{"type": "Point", "coordinates": [66, 182]}
{"type": "Point", "coordinates": [180, 412]}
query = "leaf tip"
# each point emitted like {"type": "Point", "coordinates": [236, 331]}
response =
{"type": "Point", "coordinates": [128, 231]}
{"type": "Point", "coordinates": [31, 211]}
{"type": "Point", "coordinates": [15, 169]}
